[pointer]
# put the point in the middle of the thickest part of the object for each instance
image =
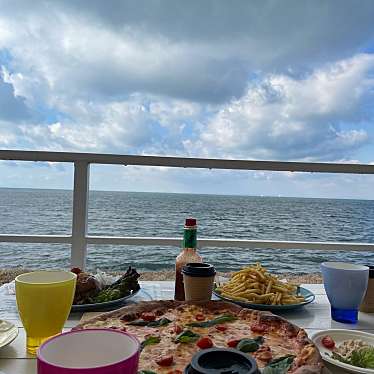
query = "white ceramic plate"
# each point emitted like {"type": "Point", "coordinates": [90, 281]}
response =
{"type": "Point", "coordinates": [8, 332]}
{"type": "Point", "coordinates": [339, 336]}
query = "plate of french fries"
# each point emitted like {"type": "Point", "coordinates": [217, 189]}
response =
{"type": "Point", "coordinates": [254, 287]}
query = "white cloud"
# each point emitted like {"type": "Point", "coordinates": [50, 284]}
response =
{"type": "Point", "coordinates": [258, 80]}
{"type": "Point", "coordinates": [136, 125]}
{"type": "Point", "coordinates": [281, 117]}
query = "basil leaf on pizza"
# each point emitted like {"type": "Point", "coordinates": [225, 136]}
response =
{"type": "Point", "coordinates": [279, 365]}
{"type": "Point", "coordinates": [157, 323]}
{"type": "Point", "coordinates": [138, 322]}
{"type": "Point", "coordinates": [187, 336]}
{"type": "Point", "coordinates": [249, 345]}
{"type": "Point", "coordinates": [150, 340]}
{"type": "Point", "coordinates": [212, 322]}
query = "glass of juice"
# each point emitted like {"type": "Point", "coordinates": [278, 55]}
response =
{"type": "Point", "coordinates": [44, 300]}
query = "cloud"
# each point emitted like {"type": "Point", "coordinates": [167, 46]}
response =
{"type": "Point", "coordinates": [12, 107]}
{"type": "Point", "coordinates": [282, 117]}
{"type": "Point", "coordinates": [202, 52]}
{"type": "Point", "coordinates": [261, 79]}
{"type": "Point", "coordinates": [319, 116]}
{"type": "Point", "coordinates": [138, 125]}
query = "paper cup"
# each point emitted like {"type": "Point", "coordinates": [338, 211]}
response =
{"type": "Point", "coordinates": [91, 351]}
{"type": "Point", "coordinates": [198, 279]}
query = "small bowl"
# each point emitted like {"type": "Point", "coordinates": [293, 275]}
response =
{"type": "Point", "coordinates": [91, 351]}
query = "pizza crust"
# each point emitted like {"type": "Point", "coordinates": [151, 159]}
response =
{"type": "Point", "coordinates": [307, 361]}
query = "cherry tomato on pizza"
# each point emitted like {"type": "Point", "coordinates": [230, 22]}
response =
{"type": "Point", "coordinates": [233, 343]}
{"type": "Point", "coordinates": [165, 360]}
{"type": "Point", "coordinates": [148, 316]}
{"type": "Point", "coordinates": [204, 343]}
{"type": "Point", "coordinates": [199, 317]}
{"type": "Point", "coordinates": [177, 329]}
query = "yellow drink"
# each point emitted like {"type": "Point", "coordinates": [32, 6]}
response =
{"type": "Point", "coordinates": [44, 300]}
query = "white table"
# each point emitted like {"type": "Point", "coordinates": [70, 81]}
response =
{"type": "Point", "coordinates": [314, 317]}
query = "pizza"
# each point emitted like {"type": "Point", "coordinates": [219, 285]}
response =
{"type": "Point", "coordinates": [171, 332]}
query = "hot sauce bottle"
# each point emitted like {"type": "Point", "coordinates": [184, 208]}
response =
{"type": "Point", "coordinates": [188, 254]}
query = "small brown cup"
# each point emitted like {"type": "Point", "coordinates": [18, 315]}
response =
{"type": "Point", "coordinates": [367, 305]}
{"type": "Point", "coordinates": [198, 279]}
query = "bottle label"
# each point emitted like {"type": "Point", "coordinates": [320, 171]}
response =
{"type": "Point", "coordinates": [189, 238]}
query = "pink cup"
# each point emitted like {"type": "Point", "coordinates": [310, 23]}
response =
{"type": "Point", "coordinates": [91, 351]}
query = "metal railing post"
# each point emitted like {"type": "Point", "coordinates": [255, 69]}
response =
{"type": "Point", "coordinates": [80, 214]}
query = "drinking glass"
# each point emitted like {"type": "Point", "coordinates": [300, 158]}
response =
{"type": "Point", "coordinates": [345, 286]}
{"type": "Point", "coordinates": [44, 300]}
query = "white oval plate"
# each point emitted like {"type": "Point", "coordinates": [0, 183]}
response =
{"type": "Point", "coordinates": [8, 332]}
{"type": "Point", "coordinates": [339, 336]}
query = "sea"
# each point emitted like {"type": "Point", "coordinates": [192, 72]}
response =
{"type": "Point", "coordinates": [46, 212]}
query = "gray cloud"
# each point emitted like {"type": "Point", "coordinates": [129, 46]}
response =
{"type": "Point", "coordinates": [261, 79]}
{"type": "Point", "coordinates": [12, 108]}
{"type": "Point", "coordinates": [197, 50]}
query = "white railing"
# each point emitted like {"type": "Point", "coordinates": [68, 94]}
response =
{"type": "Point", "coordinates": [79, 239]}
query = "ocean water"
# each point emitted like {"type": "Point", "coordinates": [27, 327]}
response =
{"type": "Point", "coordinates": [27, 211]}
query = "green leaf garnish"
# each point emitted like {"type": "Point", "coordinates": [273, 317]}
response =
{"type": "Point", "coordinates": [363, 357]}
{"type": "Point", "coordinates": [250, 345]}
{"type": "Point", "coordinates": [157, 323]}
{"type": "Point", "coordinates": [138, 322]}
{"type": "Point", "coordinates": [279, 365]}
{"type": "Point", "coordinates": [150, 340]}
{"type": "Point", "coordinates": [215, 321]}
{"type": "Point", "coordinates": [187, 336]}
{"type": "Point", "coordinates": [337, 356]}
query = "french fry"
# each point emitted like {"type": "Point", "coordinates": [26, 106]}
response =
{"type": "Point", "coordinates": [255, 284]}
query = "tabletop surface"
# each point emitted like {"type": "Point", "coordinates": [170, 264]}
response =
{"type": "Point", "coordinates": [313, 317]}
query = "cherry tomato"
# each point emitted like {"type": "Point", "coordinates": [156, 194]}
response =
{"type": "Point", "coordinates": [199, 317]}
{"type": "Point", "coordinates": [221, 327]}
{"type": "Point", "coordinates": [328, 342]}
{"type": "Point", "coordinates": [204, 343]}
{"type": "Point", "coordinates": [76, 270]}
{"type": "Point", "coordinates": [177, 329]}
{"type": "Point", "coordinates": [148, 316]}
{"type": "Point", "coordinates": [233, 343]}
{"type": "Point", "coordinates": [259, 327]}
{"type": "Point", "coordinates": [165, 360]}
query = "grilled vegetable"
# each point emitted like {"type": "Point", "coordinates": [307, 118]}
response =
{"type": "Point", "coordinates": [124, 286]}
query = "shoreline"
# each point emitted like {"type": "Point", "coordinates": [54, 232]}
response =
{"type": "Point", "coordinates": [7, 275]}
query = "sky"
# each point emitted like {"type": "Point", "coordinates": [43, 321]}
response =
{"type": "Point", "coordinates": [265, 80]}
